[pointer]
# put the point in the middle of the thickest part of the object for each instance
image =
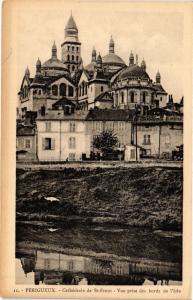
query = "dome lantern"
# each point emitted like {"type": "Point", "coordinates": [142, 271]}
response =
{"type": "Point", "coordinates": [99, 62]}
{"type": "Point", "coordinates": [143, 65]}
{"type": "Point", "coordinates": [111, 45]}
{"type": "Point", "coordinates": [158, 78]}
{"type": "Point", "coordinates": [93, 55]}
{"type": "Point", "coordinates": [131, 59]}
{"type": "Point", "coordinates": [54, 51]}
{"type": "Point", "coordinates": [38, 66]}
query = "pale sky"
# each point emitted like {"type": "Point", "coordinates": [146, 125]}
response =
{"type": "Point", "coordinates": [155, 34]}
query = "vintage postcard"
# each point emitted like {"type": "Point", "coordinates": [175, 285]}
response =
{"type": "Point", "coordinates": [96, 149]}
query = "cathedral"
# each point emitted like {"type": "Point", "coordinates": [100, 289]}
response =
{"type": "Point", "coordinates": [106, 83]}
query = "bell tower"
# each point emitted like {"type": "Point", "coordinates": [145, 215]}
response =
{"type": "Point", "coordinates": [71, 47]}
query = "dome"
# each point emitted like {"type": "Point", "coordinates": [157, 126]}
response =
{"type": "Point", "coordinates": [133, 71]}
{"type": "Point", "coordinates": [112, 58]}
{"type": "Point", "coordinates": [91, 67]}
{"type": "Point", "coordinates": [54, 63]}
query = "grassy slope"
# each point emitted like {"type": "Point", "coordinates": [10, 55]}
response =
{"type": "Point", "coordinates": [141, 196]}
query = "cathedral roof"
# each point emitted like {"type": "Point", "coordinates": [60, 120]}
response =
{"type": "Point", "coordinates": [133, 71]}
{"type": "Point", "coordinates": [112, 58]}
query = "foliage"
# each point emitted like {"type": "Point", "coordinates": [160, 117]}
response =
{"type": "Point", "coordinates": [105, 142]}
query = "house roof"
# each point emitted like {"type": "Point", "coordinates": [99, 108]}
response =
{"type": "Point", "coordinates": [63, 102]}
{"type": "Point", "coordinates": [23, 130]}
{"type": "Point", "coordinates": [109, 115]}
{"type": "Point", "coordinates": [105, 96]}
{"type": "Point", "coordinates": [159, 89]}
{"type": "Point", "coordinates": [56, 115]}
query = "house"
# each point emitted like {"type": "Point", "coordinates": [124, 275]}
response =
{"type": "Point", "coordinates": [157, 137]}
{"type": "Point", "coordinates": [116, 120]}
{"type": "Point", "coordinates": [62, 136]}
{"type": "Point", "coordinates": [26, 143]}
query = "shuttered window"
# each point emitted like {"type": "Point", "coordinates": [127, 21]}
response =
{"type": "Point", "coordinates": [48, 144]}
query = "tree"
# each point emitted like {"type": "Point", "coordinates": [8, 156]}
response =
{"type": "Point", "coordinates": [105, 142]}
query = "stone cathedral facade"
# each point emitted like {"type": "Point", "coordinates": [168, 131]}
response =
{"type": "Point", "coordinates": [106, 83]}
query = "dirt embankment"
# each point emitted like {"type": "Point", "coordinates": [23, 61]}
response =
{"type": "Point", "coordinates": [150, 197]}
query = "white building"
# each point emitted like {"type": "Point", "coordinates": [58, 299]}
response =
{"type": "Point", "coordinates": [62, 137]}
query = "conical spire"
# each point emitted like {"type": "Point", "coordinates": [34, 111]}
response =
{"type": "Point", "coordinates": [71, 24]}
{"type": "Point", "coordinates": [93, 55]}
{"type": "Point", "coordinates": [27, 72]}
{"type": "Point", "coordinates": [54, 50]}
{"type": "Point", "coordinates": [111, 45]}
{"type": "Point", "coordinates": [38, 66]}
{"type": "Point", "coordinates": [143, 64]}
{"type": "Point", "coordinates": [158, 77]}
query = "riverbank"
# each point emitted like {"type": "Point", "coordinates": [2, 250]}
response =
{"type": "Point", "coordinates": [146, 197]}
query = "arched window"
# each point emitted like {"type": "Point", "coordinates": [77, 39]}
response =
{"type": "Point", "coordinates": [72, 48]}
{"type": "Point", "coordinates": [73, 67]}
{"type": "Point", "coordinates": [122, 98]}
{"type": "Point", "coordinates": [77, 58]}
{"type": "Point", "coordinates": [63, 89]}
{"type": "Point", "coordinates": [144, 97]}
{"type": "Point", "coordinates": [71, 91]}
{"type": "Point", "coordinates": [68, 57]}
{"type": "Point", "coordinates": [132, 96]}
{"type": "Point", "coordinates": [55, 90]}
{"type": "Point", "coordinates": [68, 67]}
{"type": "Point", "coordinates": [83, 88]}
{"type": "Point", "coordinates": [79, 90]}
{"type": "Point", "coordinates": [72, 57]}
{"type": "Point", "coordinates": [77, 49]}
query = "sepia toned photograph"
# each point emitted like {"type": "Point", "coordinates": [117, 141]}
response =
{"type": "Point", "coordinates": [99, 145]}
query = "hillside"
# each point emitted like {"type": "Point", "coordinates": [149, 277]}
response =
{"type": "Point", "coordinates": [150, 197]}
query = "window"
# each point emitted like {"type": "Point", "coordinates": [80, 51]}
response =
{"type": "Point", "coordinates": [72, 48]}
{"type": "Point", "coordinates": [68, 48]}
{"type": "Point", "coordinates": [73, 67]}
{"type": "Point", "coordinates": [132, 97]}
{"type": "Point", "coordinates": [48, 144]}
{"type": "Point", "coordinates": [102, 88]}
{"type": "Point", "coordinates": [70, 91]}
{"type": "Point", "coordinates": [72, 127]}
{"type": "Point", "coordinates": [119, 270]}
{"type": "Point", "coordinates": [71, 265]}
{"type": "Point", "coordinates": [122, 98]}
{"type": "Point", "coordinates": [72, 57]}
{"type": "Point", "coordinates": [121, 126]}
{"type": "Point", "coordinates": [63, 89]}
{"type": "Point", "coordinates": [55, 90]}
{"type": "Point", "coordinates": [152, 98]}
{"type": "Point", "coordinates": [68, 67]}
{"type": "Point", "coordinates": [144, 97]}
{"type": "Point", "coordinates": [77, 58]}
{"type": "Point", "coordinates": [71, 156]}
{"type": "Point", "coordinates": [77, 49]}
{"type": "Point", "coordinates": [48, 126]}
{"type": "Point", "coordinates": [39, 92]}
{"type": "Point", "coordinates": [27, 144]}
{"type": "Point", "coordinates": [167, 139]}
{"type": "Point", "coordinates": [132, 156]}
{"type": "Point", "coordinates": [46, 264]}
{"type": "Point", "coordinates": [72, 142]}
{"type": "Point", "coordinates": [146, 139]}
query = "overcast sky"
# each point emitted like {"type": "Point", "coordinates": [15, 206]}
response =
{"type": "Point", "coordinates": [156, 35]}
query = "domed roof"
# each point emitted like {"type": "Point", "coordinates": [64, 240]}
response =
{"type": "Point", "coordinates": [91, 67]}
{"type": "Point", "coordinates": [53, 63]}
{"type": "Point", "coordinates": [133, 71]}
{"type": "Point", "coordinates": [112, 58]}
